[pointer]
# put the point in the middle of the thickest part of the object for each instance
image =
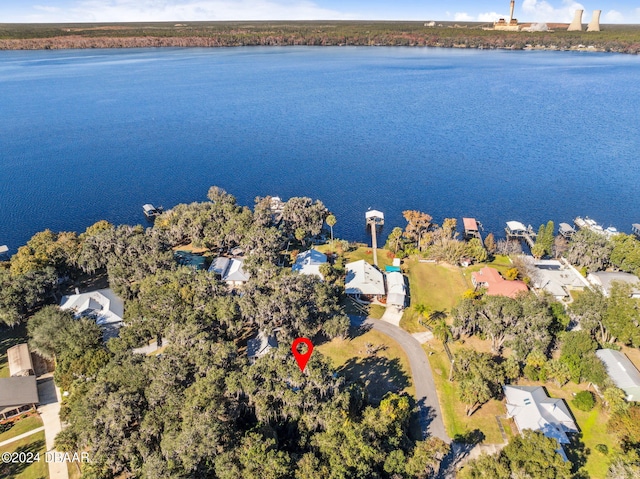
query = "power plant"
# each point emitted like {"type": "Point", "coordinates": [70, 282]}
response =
{"type": "Point", "coordinates": [576, 24]}
{"type": "Point", "coordinates": [511, 25]}
{"type": "Point", "coordinates": [594, 24]}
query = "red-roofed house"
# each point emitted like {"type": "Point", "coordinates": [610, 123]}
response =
{"type": "Point", "coordinates": [495, 284]}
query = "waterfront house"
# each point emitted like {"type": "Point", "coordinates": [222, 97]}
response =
{"type": "Point", "coordinates": [531, 408]}
{"type": "Point", "coordinates": [396, 290]}
{"type": "Point", "coordinates": [364, 281]}
{"type": "Point", "coordinates": [495, 285]}
{"type": "Point", "coordinates": [309, 263]}
{"type": "Point", "coordinates": [556, 278]}
{"type": "Point", "coordinates": [622, 372]}
{"type": "Point", "coordinates": [605, 279]}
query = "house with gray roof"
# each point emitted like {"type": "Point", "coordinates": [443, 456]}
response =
{"type": "Point", "coordinates": [102, 305]}
{"type": "Point", "coordinates": [260, 345]}
{"type": "Point", "coordinates": [230, 270]}
{"type": "Point", "coordinates": [364, 281]}
{"type": "Point", "coordinates": [531, 408]}
{"type": "Point", "coordinates": [556, 278]}
{"type": "Point", "coordinates": [622, 372]}
{"type": "Point", "coordinates": [17, 394]}
{"type": "Point", "coordinates": [396, 290]}
{"type": "Point", "coordinates": [605, 279]}
{"type": "Point", "coordinates": [309, 263]}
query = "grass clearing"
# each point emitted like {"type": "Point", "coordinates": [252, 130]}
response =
{"type": "Point", "coordinates": [20, 426]}
{"type": "Point", "coordinates": [10, 337]}
{"type": "Point", "coordinates": [439, 287]}
{"type": "Point", "coordinates": [23, 470]}
{"type": "Point", "coordinates": [387, 370]}
{"type": "Point", "coordinates": [454, 415]}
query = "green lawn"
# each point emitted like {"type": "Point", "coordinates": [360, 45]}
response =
{"type": "Point", "coordinates": [388, 370]}
{"type": "Point", "coordinates": [10, 337]}
{"type": "Point", "coordinates": [455, 418]}
{"type": "Point", "coordinates": [35, 470]}
{"type": "Point", "coordinates": [439, 287]}
{"type": "Point", "coordinates": [21, 426]}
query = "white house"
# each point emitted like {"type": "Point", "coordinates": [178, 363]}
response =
{"type": "Point", "coordinates": [555, 278]}
{"type": "Point", "coordinates": [230, 270]}
{"type": "Point", "coordinates": [605, 279]}
{"type": "Point", "coordinates": [531, 408]}
{"type": "Point", "coordinates": [396, 290]}
{"type": "Point", "coordinates": [309, 262]}
{"type": "Point", "coordinates": [364, 280]}
{"type": "Point", "coordinates": [622, 372]}
{"type": "Point", "coordinates": [102, 305]}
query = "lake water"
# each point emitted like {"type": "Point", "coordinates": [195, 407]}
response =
{"type": "Point", "coordinates": [498, 135]}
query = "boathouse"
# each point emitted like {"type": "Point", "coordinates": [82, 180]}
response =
{"type": "Point", "coordinates": [471, 228]}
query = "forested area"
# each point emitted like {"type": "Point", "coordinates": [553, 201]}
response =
{"type": "Point", "coordinates": [201, 408]}
{"type": "Point", "coordinates": [613, 38]}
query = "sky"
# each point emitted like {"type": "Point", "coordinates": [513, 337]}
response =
{"type": "Point", "coordinates": [27, 11]}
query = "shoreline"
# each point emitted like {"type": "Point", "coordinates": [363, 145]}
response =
{"type": "Point", "coordinates": [114, 43]}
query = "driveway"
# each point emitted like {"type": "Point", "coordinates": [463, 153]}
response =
{"type": "Point", "coordinates": [426, 396]}
{"type": "Point", "coordinates": [49, 410]}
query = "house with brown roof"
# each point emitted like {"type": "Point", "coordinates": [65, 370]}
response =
{"type": "Point", "coordinates": [490, 279]}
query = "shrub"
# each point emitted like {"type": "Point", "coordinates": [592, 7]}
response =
{"type": "Point", "coordinates": [531, 372]}
{"type": "Point", "coordinates": [602, 448]}
{"type": "Point", "coordinates": [511, 274]}
{"type": "Point", "coordinates": [584, 401]}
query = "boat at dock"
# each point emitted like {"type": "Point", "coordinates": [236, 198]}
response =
{"type": "Point", "coordinates": [151, 211]}
{"type": "Point", "coordinates": [587, 223]}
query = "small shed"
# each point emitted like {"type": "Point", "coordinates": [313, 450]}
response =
{"type": "Point", "coordinates": [20, 362]}
{"type": "Point", "coordinates": [622, 372]}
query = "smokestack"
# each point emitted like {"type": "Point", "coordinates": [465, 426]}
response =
{"type": "Point", "coordinates": [594, 24]}
{"type": "Point", "coordinates": [576, 24]}
{"type": "Point", "coordinates": [513, 4]}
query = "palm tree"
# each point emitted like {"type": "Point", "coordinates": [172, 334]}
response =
{"type": "Point", "coordinates": [331, 221]}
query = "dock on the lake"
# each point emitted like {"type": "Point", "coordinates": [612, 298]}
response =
{"type": "Point", "coordinates": [471, 228]}
{"type": "Point", "coordinates": [518, 231]}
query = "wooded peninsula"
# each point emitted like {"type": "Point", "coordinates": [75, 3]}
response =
{"type": "Point", "coordinates": [612, 38]}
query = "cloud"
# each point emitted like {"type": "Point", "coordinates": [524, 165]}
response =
{"type": "Point", "coordinates": [490, 17]}
{"type": "Point", "coordinates": [46, 8]}
{"type": "Point", "coordinates": [543, 11]}
{"type": "Point", "coordinates": [613, 16]}
{"type": "Point", "coordinates": [463, 17]}
{"type": "Point", "coordinates": [186, 10]}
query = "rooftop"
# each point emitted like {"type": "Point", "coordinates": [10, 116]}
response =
{"type": "Point", "coordinates": [18, 391]}
{"type": "Point", "coordinates": [20, 363]}
{"type": "Point", "coordinates": [496, 285]}
{"type": "Point", "coordinates": [622, 372]}
{"type": "Point", "coordinates": [102, 304]}
{"type": "Point", "coordinates": [516, 226]}
{"type": "Point", "coordinates": [363, 278]}
{"type": "Point", "coordinates": [470, 224]}
{"type": "Point", "coordinates": [605, 280]}
{"type": "Point", "coordinates": [531, 408]}
{"type": "Point", "coordinates": [309, 262]}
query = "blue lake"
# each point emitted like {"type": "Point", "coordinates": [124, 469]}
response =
{"type": "Point", "coordinates": [498, 135]}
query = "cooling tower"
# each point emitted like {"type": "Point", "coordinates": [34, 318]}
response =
{"type": "Point", "coordinates": [594, 24]}
{"type": "Point", "coordinates": [576, 24]}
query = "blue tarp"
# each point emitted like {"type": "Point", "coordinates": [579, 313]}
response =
{"type": "Point", "coordinates": [392, 269]}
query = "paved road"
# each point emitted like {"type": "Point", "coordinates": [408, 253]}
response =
{"type": "Point", "coordinates": [426, 397]}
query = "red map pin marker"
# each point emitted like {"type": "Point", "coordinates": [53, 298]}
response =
{"type": "Point", "coordinates": [302, 358]}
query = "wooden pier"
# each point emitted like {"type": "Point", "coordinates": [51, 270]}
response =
{"type": "Point", "coordinates": [518, 231]}
{"type": "Point", "coordinates": [374, 219]}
